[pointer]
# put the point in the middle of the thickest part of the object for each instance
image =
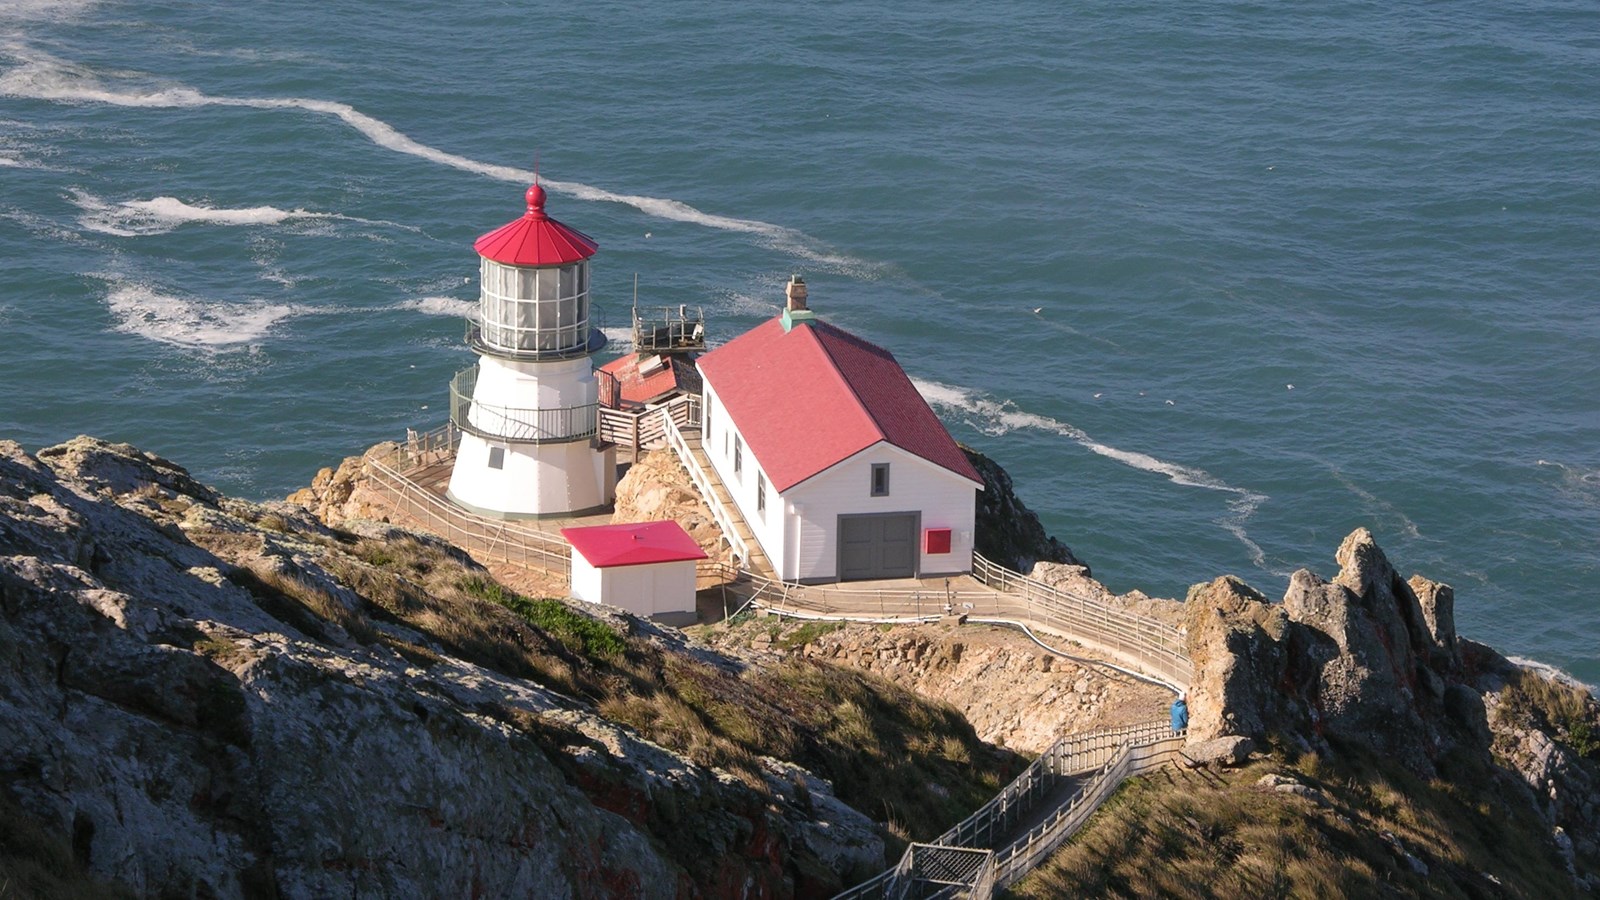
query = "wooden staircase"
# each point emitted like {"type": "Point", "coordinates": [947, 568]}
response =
{"type": "Point", "coordinates": [723, 509]}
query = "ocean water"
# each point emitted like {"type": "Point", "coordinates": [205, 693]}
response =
{"type": "Point", "coordinates": [1217, 282]}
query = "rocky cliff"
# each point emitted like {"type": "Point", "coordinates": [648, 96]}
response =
{"type": "Point", "coordinates": [1014, 693]}
{"type": "Point", "coordinates": [656, 489]}
{"type": "Point", "coordinates": [1008, 532]}
{"type": "Point", "coordinates": [1370, 663]}
{"type": "Point", "coordinates": [207, 697]}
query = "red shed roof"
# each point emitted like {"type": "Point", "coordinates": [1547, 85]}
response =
{"type": "Point", "coordinates": [812, 397]}
{"type": "Point", "coordinates": [535, 239]}
{"type": "Point", "coordinates": [673, 374]}
{"type": "Point", "coordinates": [609, 546]}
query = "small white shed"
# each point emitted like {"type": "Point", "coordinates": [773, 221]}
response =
{"type": "Point", "coordinates": [646, 568]}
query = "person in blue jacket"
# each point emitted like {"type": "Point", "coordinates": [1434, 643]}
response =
{"type": "Point", "coordinates": [1180, 713]}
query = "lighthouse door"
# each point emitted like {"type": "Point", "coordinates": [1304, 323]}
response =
{"type": "Point", "coordinates": [878, 546]}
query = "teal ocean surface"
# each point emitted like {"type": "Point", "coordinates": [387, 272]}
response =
{"type": "Point", "coordinates": [1217, 282]}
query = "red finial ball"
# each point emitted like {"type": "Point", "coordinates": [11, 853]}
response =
{"type": "Point", "coordinates": [535, 197]}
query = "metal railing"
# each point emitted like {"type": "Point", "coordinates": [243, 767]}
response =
{"type": "Point", "coordinates": [1102, 760]}
{"type": "Point", "coordinates": [533, 426]}
{"type": "Point", "coordinates": [1140, 642]}
{"type": "Point", "coordinates": [929, 871]}
{"type": "Point", "coordinates": [1148, 644]}
{"type": "Point", "coordinates": [669, 329]}
{"type": "Point", "coordinates": [426, 448]}
{"type": "Point", "coordinates": [1135, 757]}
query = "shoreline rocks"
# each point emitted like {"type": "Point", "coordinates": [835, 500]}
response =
{"type": "Point", "coordinates": [1372, 661]}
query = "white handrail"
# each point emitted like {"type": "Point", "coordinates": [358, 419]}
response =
{"type": "Point", "coordinates": [702, 483]}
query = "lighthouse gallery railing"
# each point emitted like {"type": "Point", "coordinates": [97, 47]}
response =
{"type": "Point", "coordinates": [508, 423]}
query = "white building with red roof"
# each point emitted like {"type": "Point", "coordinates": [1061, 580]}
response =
{"type": "Point", "coordinates": [835, 460]}
{"type": "Point", "coordinates": [646, 568]}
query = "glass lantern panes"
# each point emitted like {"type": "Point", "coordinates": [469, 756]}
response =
{"type": "Point", "coordinates": [529, 310]}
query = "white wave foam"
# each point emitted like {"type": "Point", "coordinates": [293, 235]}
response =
{"type": "Point", "coordinates": [160, 215]}
{"type": "Point", "coordinates": [619, 335]}
{"type": "Point", "coordinates": [442, 306]}
{"type": "Point", "coordinates": [1551, 672]}
{"type": "Point", "coordinates": [743, 303]}
{"type": "Point", "coordinates": [1575, 475]}
{"type": "Point", "coordinates": [16, 11]}
{"type": "Point", "coordinates": [998, 417]}
{"type": "Point", "coordinates": [191, 323]}
{"type": "Point", "coordinates": [43, 77]}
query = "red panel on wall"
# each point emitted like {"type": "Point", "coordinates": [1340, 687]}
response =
{"type": "Point", "coordinates": [936, 540]}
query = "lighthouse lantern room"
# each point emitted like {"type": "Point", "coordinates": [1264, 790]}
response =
{"type": "Point", "coordinates": [528, 409]}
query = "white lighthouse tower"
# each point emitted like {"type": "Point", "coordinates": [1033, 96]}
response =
{"type": "Point", "coordinates": [528, 410]}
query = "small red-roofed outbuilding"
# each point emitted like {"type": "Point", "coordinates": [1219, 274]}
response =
{"type": "Point", "coordinates": [646, 568]}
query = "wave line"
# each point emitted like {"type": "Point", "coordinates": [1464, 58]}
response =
{"type": "Point", "coordinates": [43, 77]}
{"type": "Point", "coordinates": [999, 416]}
{"type": "Point", "coordinates": [160, 215]}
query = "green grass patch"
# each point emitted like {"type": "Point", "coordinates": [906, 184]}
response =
{"type": "Point", "coordinates": [580, 633]}
{"type": "Point", "coordinates": [807, 633]}
{"type": "Point", "coordinates": [1570, 713]}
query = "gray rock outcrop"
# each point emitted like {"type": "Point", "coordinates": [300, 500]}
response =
{"type": "Point", "coordinates": [1354, 659]}
{"type": "Point", "coordinates": [656, 488]}
{"type": "Point", "coordinates": [196, 736]}
{"type": "Point", "coordinates": [1372, 661]}
{"type": "Point", "coordinates": [1243, 657]}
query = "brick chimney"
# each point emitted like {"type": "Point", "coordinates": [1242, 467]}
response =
{"type": "Point", "coordinates": [795, 291]}
{"type": "Point", "coordinates": [795, 311]}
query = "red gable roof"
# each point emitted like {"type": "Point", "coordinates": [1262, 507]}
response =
{"type": "Point", "coordinates": [535, 239]}
{"type": "Point", "coordinates": [609, 546]}
{"type": "Point", "coordinates": [809, 398]}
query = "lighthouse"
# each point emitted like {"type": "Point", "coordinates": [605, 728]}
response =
{"type": "Point", "coordinates": [528, 410]}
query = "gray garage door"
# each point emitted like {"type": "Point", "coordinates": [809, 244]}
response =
{"type": "Point", "coordinates": [877, 546]}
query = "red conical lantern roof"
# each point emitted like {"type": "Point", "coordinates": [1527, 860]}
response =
{"type": "Point", "coordinates": [535, 239]}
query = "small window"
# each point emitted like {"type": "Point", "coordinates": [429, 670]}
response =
{"type": "Point", "coordinates": [497, 457]}
{"type": "Point", "coordinates": [880, 479]}
{"type": "Point", "coordinates": [761, 494]}
{"type": "Point", "coordinates": [738, 455]}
